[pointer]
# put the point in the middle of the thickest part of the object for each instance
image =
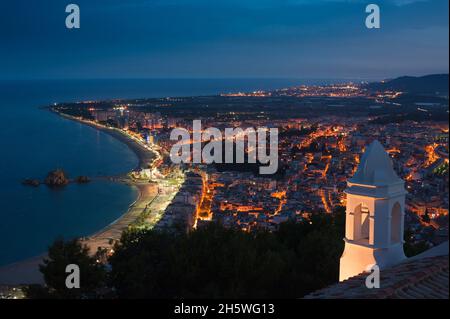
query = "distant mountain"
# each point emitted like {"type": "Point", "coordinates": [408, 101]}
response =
{"type": "Point", "coordinates": [436, 84]}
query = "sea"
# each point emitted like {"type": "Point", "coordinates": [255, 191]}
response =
{"type": "Point", "coordinates": [34, 141]}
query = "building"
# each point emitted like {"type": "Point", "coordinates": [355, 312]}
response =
{"type": "Point", "coordinates": [375, 215]}
{"type": "Point", "coordinates": [374, 236]}
{"type": "Point", "coordinates": [181, 213]}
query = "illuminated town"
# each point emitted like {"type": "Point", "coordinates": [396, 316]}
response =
{"type": "Point", "coordinates": [319, 149]}
{"type": "Point", "coordinates": [224, 157]}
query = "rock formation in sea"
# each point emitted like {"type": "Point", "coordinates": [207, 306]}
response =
{"type": "Point", "coordinates": [31, 182]}
{"type": "Point", "coordinates": [56, 178]}
{"type": "Point", "coordinates": [82, 179]}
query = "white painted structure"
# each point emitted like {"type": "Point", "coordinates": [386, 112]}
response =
{"type": "Point", "coordinates": [375, 215]}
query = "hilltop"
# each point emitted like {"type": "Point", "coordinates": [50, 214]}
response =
{"type": "Point", "coordinates": [435, 84]}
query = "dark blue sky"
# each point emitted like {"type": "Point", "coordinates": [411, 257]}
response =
{"type": "Point", "coordinates": [223, 38]}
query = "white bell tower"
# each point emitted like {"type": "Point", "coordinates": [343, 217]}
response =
{"type": "Point", "coordinates": [375, 215]}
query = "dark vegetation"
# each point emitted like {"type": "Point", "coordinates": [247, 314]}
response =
{"type": "Point", "coordinates": [211, 262]}
{"type": "Point", "coordinates": [412, 248]}
{"type": "Point", "coordinates": [63, 253]}
{"type": "Point", "coordinates": [219, 263]}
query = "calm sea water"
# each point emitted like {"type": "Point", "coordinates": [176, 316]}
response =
{"type": "Point", "coordinates": [34, 141]}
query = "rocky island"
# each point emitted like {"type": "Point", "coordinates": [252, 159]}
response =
{"type": "Point", "coordinates": [56, 178]}
{"type": "Point", "coordinates": [31, 182]}
{"type": "Point", "coordinates": [82, 180]}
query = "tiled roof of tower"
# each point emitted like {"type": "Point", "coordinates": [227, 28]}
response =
{"type": "Point", "coordinates": [425, 278]}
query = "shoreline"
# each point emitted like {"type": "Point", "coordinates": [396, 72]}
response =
{"type": "Point", "coordinates": [26, 271]}
{"type": "Point", "coordinates": [143, 155]}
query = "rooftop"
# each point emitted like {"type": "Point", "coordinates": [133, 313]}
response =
{"type": "Point", "coordinates": [425, 276]}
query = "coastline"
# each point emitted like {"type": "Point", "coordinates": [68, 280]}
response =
{"type": "Point", "coordinates": [106, 237]}
{"type": "Point", "coordinates": [144, 155]}
{"type": "Point", "coordinates": [27, 271]}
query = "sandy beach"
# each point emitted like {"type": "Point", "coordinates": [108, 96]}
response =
{"type": "Point", "coordinates": [27, 271]}
{"type": "Point", "coordinates": [106, 237]}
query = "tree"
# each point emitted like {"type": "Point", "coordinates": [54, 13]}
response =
{"type": "Point", "coordinates": [214, 262]}
{"type": "Point", "coordinates": [210, 262]}
{"type": "Point", "coordinates": [412, 248]}
{"type": "Point", "coordinates": [61, 254]}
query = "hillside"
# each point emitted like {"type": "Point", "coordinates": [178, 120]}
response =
{"type": "Point", "coordinates": [436, 84]}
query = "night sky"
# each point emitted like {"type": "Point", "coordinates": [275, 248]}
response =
{"type": "Point", "coordinates": [223, 39]}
